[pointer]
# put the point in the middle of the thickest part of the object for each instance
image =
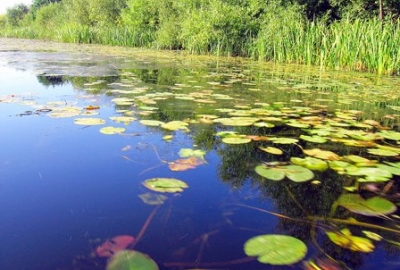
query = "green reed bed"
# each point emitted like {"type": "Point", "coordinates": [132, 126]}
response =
{"type": "Point", "coordinates": [365, 45]}
{"type": "Point", "coordinates": [350, 44]}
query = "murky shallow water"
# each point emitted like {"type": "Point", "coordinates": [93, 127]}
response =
{"type": "Point", "coordinates": [66, 188]}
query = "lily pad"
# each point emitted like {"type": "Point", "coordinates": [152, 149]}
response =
{"type": "Point", "coordinates": [235, 140]}
{"type": "Point", "coordinates": [276, 249]}
{"type": "Point", "coordinates": [271, 150]}
{"type": "Point", "coordinates": [131, 260]}
{"type": "Point", "coordinates": [284, 140]}
{"type": "Point", "coordinates": [345, 239]}
{"type": "Point", "coordinates": [169, 185]}
{"type": "Point", "coordinates": [390, 134]}
{"type": "Point", "coordinates": [314, 139]}
{"type": "Point", "coordinates": [375, 206]}
{"type": "Point", "coordinates": [311, 163]}
{"type": "Point", "coordinates": [372, 174]}
{"type": "Point", "coordinates": [123, 119]}
{"type": "Point", "coordinates": [154, 123]}
{"type": "Point", "coordinates": [112, 130]}
{"type": "Point", "coordinates": [293, 172]}
{"type": "Point", "coordinates": [187, 152]}
{"type": "Point", "coordinates": [175, 125]}
{"type": "Point", "coordinates": [382, 152]}
{"type": "Point", "coordinates": [89, 121]}
{"type": "Point", "coordinates": [322, 154]}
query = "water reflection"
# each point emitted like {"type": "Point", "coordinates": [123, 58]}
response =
{"type": "Point", "coordinates": [67, 188]}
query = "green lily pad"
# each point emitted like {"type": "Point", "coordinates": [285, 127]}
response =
{"type": "Point", "coordinates": [89, 121]}
{"type": "Point", "coordinates": [375, 206]}
{"type": "Point", "coordinates": [382, 152]}
{"type": "Point", "coordinates": [322, 154]}
{"type": "Point", "coordinates": [187, 152]}
{"type": "Point", "coordinates": [235, 140]}
{"type": "Point", "coordinates": [169, 185]}
{"type": "Point", "coordinates": [123, 119]}
{"type": "Point", "coordinates": [372, 174]}
{"type": "Point", "coordinates": [293, 172]}
{"type": "Point", "coordinates": [112, 130]}
{"type": "Point", "coordinates": [236, 121]}
{"type": "Point", "coordinates": [276, 249]}
{"type": "Point", "coordinates": [314, 139]}
{"type": "Point", "coordinates": [390, 134]}
{"type": "Point", "coordinates": [131, 260]}
{"type": "Point", "coordinates": [271, 150]}
{"type": "Point", "coordinates": [284, 140]}
{"type": "Point", "coordinates": [154, 123]}
{"type": "Point", "coordinates": [311, 163]}
{"type": "Point", "coordinates": [394, 169]}
{"type": "Point", "coordinates": [175, 125]}
{"type": "Point", "coordinates": [345, 239]}
{"type": "Point", "coordinates": [264, 124]}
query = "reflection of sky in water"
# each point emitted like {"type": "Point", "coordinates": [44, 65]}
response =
{"type": "Point", "coordinates": [63, 185]}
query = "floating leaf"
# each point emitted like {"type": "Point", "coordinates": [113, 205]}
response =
{"type": "Point", "coordinates": [372, 235]}
{"type": "Point", "coordinates": [236, 121]}
{"type": "Point", "coordinates": [89, 121]}
{"type": "Point", "coordinates": [314, 139]}
{"type": "Point", "coordinates": [113, 245]}
{"type": "Point", "coordinates": [374, 206]}
{"type": "Point", "coordinates": [284, 140]}
{"type": "Point", "coordinates": [123, 119]}
{"type": "Point", "coordinates": [390, 134]}
{"type": "Point", "coordinates": [235, 140]}
{"type": "Point", "coordinates": [175, 125]}
{"type": "Point", "coordinates": [322, 154]}
{"type": "Point", "coordinates": [153, 199]}
{"type": "Point", "coordinates": [131, 260]}
{"type": "Point", "coordinates": [311, 163]}
{"type": "Point", "coordinates": [293, 172]}
{"type": "Point", "coordinates": [169, 185]}
{"type": "Point", "coordinates": [394, 168]}
{"type": "Point", "coordinates": [271, 150]}
{"type": "Point", "coordinates": [187, 152]}
{"type": "Point", "coordinates": [371, 174]}
{"type": "Point", "coordinates": [185, 164]}
{"type": "Point", "coordinates": [264, 124]}
{"type": "Point", "coordinates": [168, 138]}
{"type": "Point", "coordinates": [112, 130]}
{"type": "Point", "coordinates": [276, 249]}
{"type": "Point", "coordinates": [154, 123]}
{"type": "Point", "coordinates": [345, 239]}
{"type": "Point", "coordinates": [382, 152]}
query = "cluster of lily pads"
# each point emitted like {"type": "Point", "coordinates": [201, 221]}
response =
{"type": "Point", "coordinates": [371, 158]}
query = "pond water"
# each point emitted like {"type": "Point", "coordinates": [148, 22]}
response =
{"type": "Point", "coordinates": [263, 150]}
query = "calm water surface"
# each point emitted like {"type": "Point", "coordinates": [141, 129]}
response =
{"type": "Point", "coordinates": [66, 188]}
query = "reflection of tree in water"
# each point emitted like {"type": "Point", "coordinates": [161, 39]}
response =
{"type": "Point", "coordinates": [52, 80]}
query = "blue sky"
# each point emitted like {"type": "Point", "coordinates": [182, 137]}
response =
{"type": "Point", "coordinates": [4, 4]}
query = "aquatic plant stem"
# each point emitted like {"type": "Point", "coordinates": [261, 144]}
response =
{"type": "Point", "coordinates": [144, 227]}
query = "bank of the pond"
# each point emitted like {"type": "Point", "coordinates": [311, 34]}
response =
{"type": "Point", "coordinates": [357, 45]}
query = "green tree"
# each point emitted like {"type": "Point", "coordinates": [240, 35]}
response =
{"type": "Point", "coordinates": [16, 14]}
{"type": "Point", "coordinates": [37, 4]}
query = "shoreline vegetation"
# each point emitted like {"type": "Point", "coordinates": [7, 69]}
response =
{"type": "Point", "coordinates": [357, 35]}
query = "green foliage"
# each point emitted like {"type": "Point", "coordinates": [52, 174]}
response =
{"type": "Point", "coordinates": [16, 14]}
{"type": "Point", "coordinates": [50, 16]}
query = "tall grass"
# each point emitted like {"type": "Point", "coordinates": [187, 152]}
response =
{"type": "Point", "coordinates": [280, 34]}
{"type": "Point", "coordinates": [365, 45]}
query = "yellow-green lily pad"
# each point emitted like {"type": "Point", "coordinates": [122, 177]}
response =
{"type": "Point", "coordinates": [89, 121]}
{"type": "Point", "coordinates": [170, 185]}
{"type": "Point", "coordinates": [131, 260]}
{"type": "Point", "coordinates": [112, 130]}
{"type": "Point", "coordinates": [345, 239]}
{"type": "Point", "coordinates": [375, 206]}
{"type": "Point", "coordinates": [276, 249]}
{"type": "Point", "coordinates": [293, 172]}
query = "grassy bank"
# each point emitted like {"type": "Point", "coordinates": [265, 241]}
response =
{"type": "Point", "coordinates": [279, 33]}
